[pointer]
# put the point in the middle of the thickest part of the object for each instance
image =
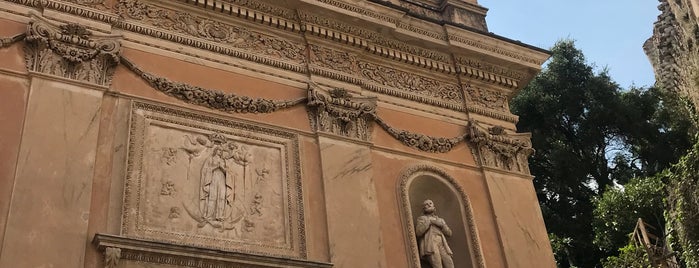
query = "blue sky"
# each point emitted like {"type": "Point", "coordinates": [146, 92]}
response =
{"type": "Point", "coordinates": [609, 32]}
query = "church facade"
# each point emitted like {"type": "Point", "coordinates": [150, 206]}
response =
{"type": "Point", "coordinates": [263, 133]}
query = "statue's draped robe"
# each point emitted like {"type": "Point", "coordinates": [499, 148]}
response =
{"type": "Point", "coordinates": [215, 195]}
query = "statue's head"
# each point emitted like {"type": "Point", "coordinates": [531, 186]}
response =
{"type": "Point", "coordinates": [428, 207]}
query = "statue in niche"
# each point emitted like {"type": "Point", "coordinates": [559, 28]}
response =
{"type": "Point", "coordinates": [432, 232]}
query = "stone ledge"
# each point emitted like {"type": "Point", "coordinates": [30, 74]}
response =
{"type": "Point", "coordinates": [188, 256]}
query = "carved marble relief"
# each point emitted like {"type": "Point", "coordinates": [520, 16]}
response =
{"type": "Point", "coordinates": [342, 61]}
{"type": "Point", "coordinates": [498, 149]}
{"type": "Point", "coordinates": [201, 181]}
{"type": "Point", "coordinates": [337, 112]}
{"type": "Point", "coordinates": [490, 99]}
{"type": "Point", "coordinates": [412, 83]}
{"type": "Point", "coordinates": [71, 51]}
{"type": "Point", "coordinates": [238, 37]}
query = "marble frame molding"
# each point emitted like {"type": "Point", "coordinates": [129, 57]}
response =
{"type": "Point", "coordinates": [403, 187]}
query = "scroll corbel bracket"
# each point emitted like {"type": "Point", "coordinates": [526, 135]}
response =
{"type": "Point", "coordinates": [336, 111]}
{"type": "Point", "coordinates": [70, 51]}
{"type": "Point", "coordinates": [494, 147]}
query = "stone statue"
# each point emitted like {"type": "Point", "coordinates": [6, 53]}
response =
{"type": "Point", "coordinates": [432, 233]}
{"type": "Point", "coordinates": [216, 192]}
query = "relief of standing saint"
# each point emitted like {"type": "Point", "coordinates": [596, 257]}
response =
{"type": "Point", "coordinates": [432, 232]}
{"type": "Point", "coordinates": [216, 193]}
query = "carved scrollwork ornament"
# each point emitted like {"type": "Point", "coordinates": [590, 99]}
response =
{"type": "Point", "coordinates": [498, 149]}
{"type": "Point", "coordinates": [336, 111]}
{"type": "Point", "coordinates": [213, 99]}
{"type": "Point", "coordinates": [71, 51]}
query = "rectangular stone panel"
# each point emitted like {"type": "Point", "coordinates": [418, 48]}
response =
{"type": "Point", "coordinates": [212, 182]}
{"type": "Point", "coordinates": [48, 215]}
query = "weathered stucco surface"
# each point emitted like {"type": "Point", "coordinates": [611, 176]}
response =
{"type": "Point", "coordinates": [261, 134]}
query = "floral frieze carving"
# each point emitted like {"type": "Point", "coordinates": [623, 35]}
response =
{"type": "Point", "coordinates": [487, 98]}
{"type": "Point", "coordinates": [410, 82]}
{"type": "Point", "coordinates": [332, 59]}
{"type": "Point", "coordinates": [498, 149]}
{"type": "Point", "coordinates": [71, 51]}
{"type": "Point", "coordinates": [232, 35]}
{"type": "Point", "coordinates": [209, 98]}
{"type": "Point", "coordinates": [337, 112]}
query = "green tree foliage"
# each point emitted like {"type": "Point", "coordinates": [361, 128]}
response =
{"type": "Point", "coordinates": [683, 206]}
{"type": "Point", "coordinates": [630, 256]}
{"type": "Point", "coordinates": [617, 210]}
{"type": "Point", "coordinates": [590, 134]}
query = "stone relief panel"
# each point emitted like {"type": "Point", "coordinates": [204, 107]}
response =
{"type": "Point", "coordinates": [208, 182]}
{"type": "Point", "coordinates": [71, 51]}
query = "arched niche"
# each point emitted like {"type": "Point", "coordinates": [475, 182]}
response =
{"type": "Point", "coordinates": [421, 182]}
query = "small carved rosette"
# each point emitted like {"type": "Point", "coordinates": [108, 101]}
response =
{"type": "Point", "coordinates": [337, 112]}
{"type": "Point", "coordinates": [498, 149]}
{"type": "Point", "coordinates": [71, 51]}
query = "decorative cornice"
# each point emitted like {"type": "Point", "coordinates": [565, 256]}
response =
{"type": "Point", "coordinates": [212, 99]}
{"type": "Point", "coordinates": [228, 35]}
{"type": "Point", "coordinates": [70, 51]}
{"type": "Point", "coordinates": [501, 150]}
{"type": "Point", "coordinates": [188, 256]}
{"type": "Point", "coordinates": [338, 112]}
{"type": "Point", "coordinates": [489, 72]}
{"type": "Point", "coordinates": [459, 36]}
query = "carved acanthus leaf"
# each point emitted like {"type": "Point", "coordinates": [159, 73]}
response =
{"type": "Point", "coordinates": [213, 99]}
{"type": "Point", "coordinates": [420, 141]}
{"type": "Point", "coordinates": [498, 149]}
{"type": "Point", "coordinates": [338, 112]}
{"type": "Point", "coordinates": [112, 256]}
{"type": "Point", "coordinates": [71, 51]}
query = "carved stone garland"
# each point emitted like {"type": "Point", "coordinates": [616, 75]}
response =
{"type": "Point", "coordinates": [337, 112]}
{"type": "Point", "coordinates": [498, 149]}
{"type": "Point", "coordinates": [71, 51]}
{"type": "Point", "coordinates": [210, 98]}
{"type": "Point", "coordinates": [420, 141]}
{"type": "Point", "coordinates": [8, 41]}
